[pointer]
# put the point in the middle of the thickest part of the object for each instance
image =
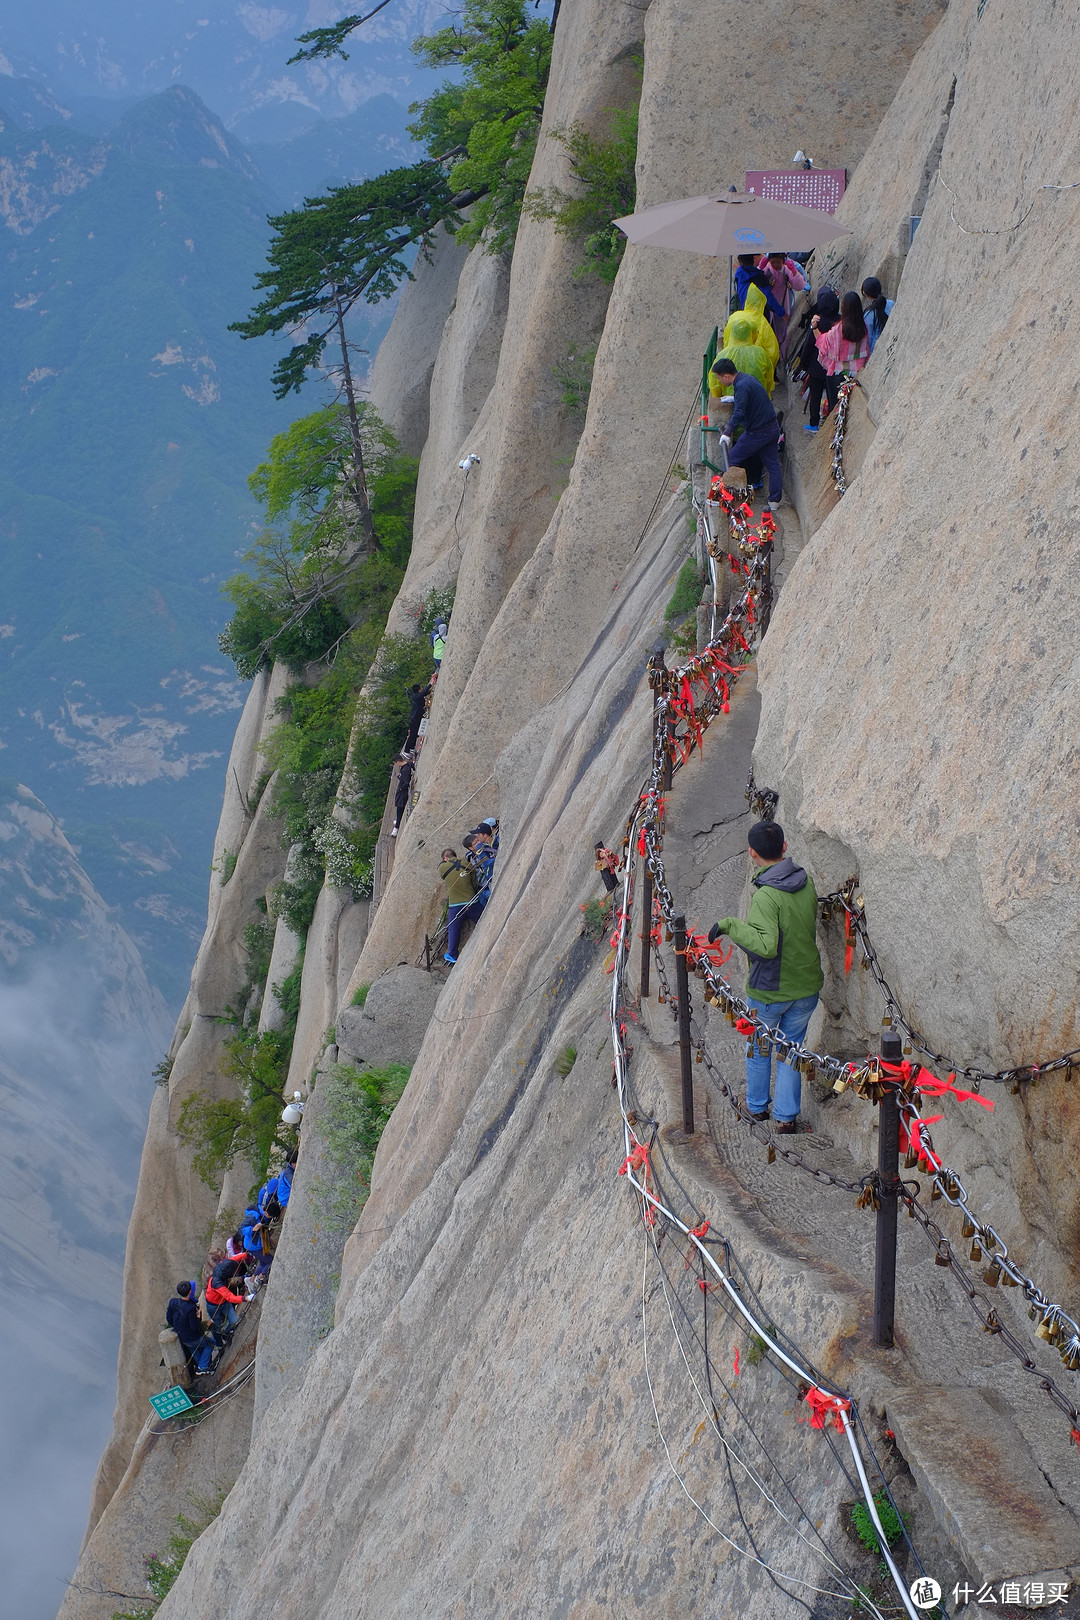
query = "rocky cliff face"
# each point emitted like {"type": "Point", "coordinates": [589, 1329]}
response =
{"type": "Point", "coordinates": [492, 1425]}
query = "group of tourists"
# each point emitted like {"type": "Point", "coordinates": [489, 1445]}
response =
{"type": "Point", "coordinates": [839, 340]}
{"type": "Point", "coordinates": [468, 881]}
{"type": "Point", "coordinates": [204, 1317]}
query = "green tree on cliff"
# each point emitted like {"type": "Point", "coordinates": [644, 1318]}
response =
{"type": "Point", "coordinates": [326, 256]}
{"type": "Point", "coordinates": [491, 116]}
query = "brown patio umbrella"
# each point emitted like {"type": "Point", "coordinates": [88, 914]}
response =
{"type": "Point", "coordinates": [731, 223]}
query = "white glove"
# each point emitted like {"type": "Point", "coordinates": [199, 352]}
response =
{"type": "Point", "coordinates": [725, 441]}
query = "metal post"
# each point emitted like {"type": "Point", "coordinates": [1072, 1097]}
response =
{"type": "Point", "coordinates": [683, 991]}
{"type": "Point", "coordinates": [646, 933]}
{"type": "Point", "coordinates": [888, 1188]}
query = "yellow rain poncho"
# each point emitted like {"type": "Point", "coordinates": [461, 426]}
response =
{"type": "Point", "coordinates": [745, 353]}
{"type": "Point", "coordinates": [763, 332]}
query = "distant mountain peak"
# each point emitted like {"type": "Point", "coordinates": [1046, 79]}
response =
{"type": "Point", "coordinates": [176, 126]}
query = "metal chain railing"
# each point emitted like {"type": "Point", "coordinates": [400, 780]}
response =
{"type": "Point", "coordinates": [988, 1316]}
{"type": "Point", "coordinates": [675, 704]}
{"type": "Point", "coordinates": [843, 406]}
{"type": "Point", "coordinates": [851, 902]}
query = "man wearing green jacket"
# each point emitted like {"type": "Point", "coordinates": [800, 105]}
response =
{"type": "Point", "coordinates": [779, 938]}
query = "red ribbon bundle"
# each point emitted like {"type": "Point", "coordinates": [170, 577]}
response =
{"type": "Point", "coordinates": [825, 1408]}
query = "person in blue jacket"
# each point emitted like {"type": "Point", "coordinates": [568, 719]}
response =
{"type": "Point", "coordinates": [754, 424]}
{"type": "Point", "coordinates": [182, 1315]}
{"type": "Point", "coordinates": [252, 1229]}
{"type": "Point", "coordinates": [748, 275]}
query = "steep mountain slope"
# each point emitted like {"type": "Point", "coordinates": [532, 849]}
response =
{"type": "Point", "coordinates": [475, 1435]}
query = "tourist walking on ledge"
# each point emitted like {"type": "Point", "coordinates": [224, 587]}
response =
{"type": "Point", "coordinates": [463, 902]}
{"type": "Point", "coordinates": [752, 415]}
{"type": "Point", "coordinates": [779, 937]}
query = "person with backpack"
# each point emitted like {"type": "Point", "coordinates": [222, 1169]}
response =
{"type": "Point", "coordinates": [182, 1315]}
{"type": "Point", "coordinates": [256, 1244]}
{"type": "Point", "coordinates": [823, 317]}
{"type": "Point", "coordinates": [876, 309]}
{"type": "Point", "coordinates": [463, 904]}
{"type": "Point", "coordinates": [438, 644]}
{"type": "Point", "coordinates": [845, 348]}
{"type": "Point", "coordinates": [221, 1302]}
{"type": "Point", "coordinates": [749, 356]}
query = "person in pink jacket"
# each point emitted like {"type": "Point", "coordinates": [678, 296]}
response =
{"type": "Point", "coordinates": [845, 348]}
{"type": "Point", "coordinates": [785, 277]}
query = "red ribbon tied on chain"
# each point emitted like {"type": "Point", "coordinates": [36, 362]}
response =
{"type": "Point", "coordinates": [916, 1078]}
{"type": "Point", "coordinates": [825, 1409]}
{"type": "Point", "coordinates": [699, 949]}
{"type": "Point", "coordinates": [849, 943]}
{"type": "Point", "coordinates": [636, 1159]}
{"type": "Point", "coordinates": [911, 1138]}
{"type": "Point", "coordinates": [745, 1026]}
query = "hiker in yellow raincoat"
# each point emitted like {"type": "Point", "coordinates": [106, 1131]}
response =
{"type": "Point", "coordinates": [746, 353]}
{"type": "Point", "coordinates": [763, 332]}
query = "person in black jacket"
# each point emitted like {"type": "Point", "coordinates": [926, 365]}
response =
{"type": "Point", "coordinates": [182, 1315]}
{"type": "Point", "coordinates": [417, 700]}
{"type": "Point", "coordinates": [404, 788]}
{"type": "Point", "coordinates": [753, 418]}
{"type": "Point", "coordinates": [827, 310]}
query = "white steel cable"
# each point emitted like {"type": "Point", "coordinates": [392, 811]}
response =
{"type": "Point", "coordinates": [729, 1446]}
{"type": "Point", "coordinates": [649, 1200]}
{"type": "Point", "coordinates": [795, 1580]}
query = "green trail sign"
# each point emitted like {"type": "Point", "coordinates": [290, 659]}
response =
{"type": "Point", "coordinates": [171, 1402]}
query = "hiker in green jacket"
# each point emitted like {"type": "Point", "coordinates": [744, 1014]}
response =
{"type": "Point", "coordinates": [779, 938]}
{"type": "Point", "coordinates": [463, 902]}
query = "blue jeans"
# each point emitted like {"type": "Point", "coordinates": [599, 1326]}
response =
{"type": "Point", "coordinates": [457, 916]}
{"type": "Point", "coordinates": [791, 1018]}
{"type": "Point", "coordinates": [222, 1318]}
{"type": "Point", "coordinates": [200, 1354]}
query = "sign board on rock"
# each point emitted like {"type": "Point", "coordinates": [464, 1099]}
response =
{"type": "Point", "coordinates": [171, 1402]}
{"type": "Point", "coordinates": [809, 188]}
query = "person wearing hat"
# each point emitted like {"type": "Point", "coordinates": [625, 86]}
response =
{"type": "Point", "coordinates": [779, 937]}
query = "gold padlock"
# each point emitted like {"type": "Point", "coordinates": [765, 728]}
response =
{"type": "Point", "coordinates": [968, 1228]}
{"type": "Point", "coordinates": [976, 1251]}
{"type": "Point", "coordinates": [992, 1274]}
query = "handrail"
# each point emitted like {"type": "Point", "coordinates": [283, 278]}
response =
{"type": "Point", "coordinates": [706, 366]}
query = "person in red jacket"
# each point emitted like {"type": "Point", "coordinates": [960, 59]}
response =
{"type": "Point", "coordinates": [221, 1302]}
